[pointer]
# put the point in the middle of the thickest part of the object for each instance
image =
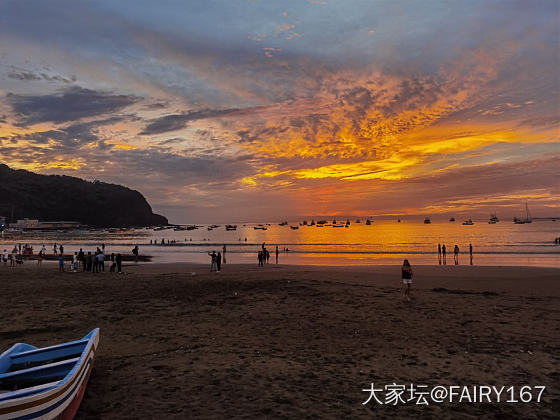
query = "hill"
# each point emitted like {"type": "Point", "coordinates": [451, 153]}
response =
{"type": "Point", "coordinates": [61, 197]}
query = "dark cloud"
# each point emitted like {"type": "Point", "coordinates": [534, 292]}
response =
{"type": "Point", "coordinates": [26, 75]}
{"type": "Point", "coordinates": [70, 105]}
{"type": "Point", "coordinates": [178, 121]}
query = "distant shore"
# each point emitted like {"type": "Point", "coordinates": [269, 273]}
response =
{"type": "Point", "coordinates": [289, 341]}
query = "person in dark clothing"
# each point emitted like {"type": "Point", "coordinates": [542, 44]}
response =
{"type": "Point", "coordinates": [267, 255]}
{"type": "Point", "coordinates": [439, 253]}
{"type": "Point", "coordinates": [118, 260]}
{"type": "Point", "coordinates": [113, 263]}
{"type": "Point", "coordinates": [89, 260]}
{"type": "Point", "coordinates": [276, 254]}
{"type": "Point", "coordinates": [135, 253]}
{"type": "Point", "coordinates": [219, 261]}
{"type": "Point", "coordinates": [444, 254]}
{"type": "Point", "coordinates": [260, 257]}
{"type": "Point", "coordinates": [81, 259]}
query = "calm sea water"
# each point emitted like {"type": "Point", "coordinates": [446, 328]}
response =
{"type": "Point", "coordinates": [383, 242]}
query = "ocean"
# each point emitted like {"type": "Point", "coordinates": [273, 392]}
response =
{"type": "Point", "coordinates": [382, 242]}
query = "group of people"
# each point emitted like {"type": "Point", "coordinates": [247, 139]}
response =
{"type": "Point", "coordinates": [442, 254]}
{"type": "Point", "coordinates": [263, 255]}
{"type": "Point", "coordinates": [92, 262]}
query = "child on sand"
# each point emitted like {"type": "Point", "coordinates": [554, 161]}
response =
{"type": "Point", "coordinates": [406, 278]}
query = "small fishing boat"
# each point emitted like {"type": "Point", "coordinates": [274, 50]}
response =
{"type": "Point", "coordinates": [451, 219]}
{"type": "Point", "coordinates": [468, 222]}
{"type": "Point", "coordinates": [231, 227]}
{"type": "Point", "coordinates": [283, 224]}
{"type": "Point", "coordinates": [45, 383]}
{"type": "Point", "coordinates": [295, 227]}
{"type": "Point", "coordinates": [493, 219]}
{"type": "Point", "coordinates": [260, 227]}
{"type": "Point", "coordinates": [427, 220]}
{"type": "Point", "coordinates": [368, 221]}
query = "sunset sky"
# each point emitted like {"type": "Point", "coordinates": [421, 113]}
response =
{"type": "Point", "coordinates": [249, 110]}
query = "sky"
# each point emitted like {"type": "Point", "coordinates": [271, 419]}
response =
{"type": "Point", "coordinates": [262, 110]}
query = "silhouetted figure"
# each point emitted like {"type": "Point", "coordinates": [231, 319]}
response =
{"type": "Point", "coordinates": [89, 261]}
{"type": "Point", "coordinates": [135, 253]}
{"type": "Point", "coordinates": [267, 255]}
{"type": "Point", "coordinates": [406, 270]}
{"type": "Point", "coordinates": [456, 254]}
{"type": "Point", "coordinates": [224, 253]}
{"type": "Point", "coordinates": [276, 254]}
{"type": "Point", "coordinates": [439, 253]}
{"type": "Point", "coordinates": [213, 265]}
{"type": "Point", "coordinates": [260, 256]}
{"type": "Point", "coordinates": [219, 261]}
{"type": "Point", "coordinates": [118, 260]}
{"type": "Point", "coordinates": [444, 254]}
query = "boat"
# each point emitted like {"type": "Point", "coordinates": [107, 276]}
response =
{"type": "Point", "coordinates": [305, 223]}
{"type": "Point", "coordinates": [399, 220]}
{"type": "Point", "coordinates": [527, 219]}
{"type": "Point", "coordinates": [368, 221]}
{"type": "Point", "coordinates": [283, 224]}
{"type": "Point", "coordinates": [348, 222]}
{"type": "Point", "coordinates": [493, 219]}
{"type": "Point", "coordinates": [334, 222]}
{"type": "Point", "coordinates": [260, 227]}
{"type": "Point", "coordinates": [312, 223]}
{"type": "Point", "coordinates": [231, 227]}
{"type": "Point", "coordinates": [358, 221]}
{"type": "Point", "coordinates": [468, 222]}
{"type": "Point", "coordinates": [338, 225]}
{"type": "Point", "coordinates": [451, 219]}
{"type": "Point", "coordinates": [295, 227]}
{"type": "Point", "coordinates": [47, 382]}
{"type": "Point", "coordinates": [427, 220]}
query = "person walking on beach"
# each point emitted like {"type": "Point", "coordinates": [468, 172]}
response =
{"type": "Point", "coordinates": [219, 261]}
{"type": "Point", "coordinates": [276, 254]}
{"type": "Point", "coordinates": [406, 270]}
{"type": "Point", "coordinates": [260, 257]}
{"type": "Point", "coordinates": [444, 254]}
{"type": "Point", "coordinates": [439, 253]}
{"type": "Point", "coordinates": [267, 255]}
{"type": "Point", "coordinates": [213, 263]}
{"type": "Point", "coordinates": [135, 253]}
{"type": "Point", "coordinates": [456, 254]}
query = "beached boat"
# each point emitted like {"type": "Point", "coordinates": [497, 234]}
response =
{"type": "Point", "coordinates": [283, 224]}
{"type": "Point", "coordinates": [295, 227]}
{"type": "Point", "coordinates": [468, 222]}
{"type": "Point", "coordinates": [451, 219]}
{"type": "Point", "coordinates": [427, 220]}
{"type": "Point", "coordinates": [45, 383]}
{"type": "Point", "coordinates": [231, 227]}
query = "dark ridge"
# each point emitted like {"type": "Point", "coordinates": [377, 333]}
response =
{"type": "Point", "coordinates": [61, 197]}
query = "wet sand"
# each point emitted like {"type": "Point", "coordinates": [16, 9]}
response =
{"type": "Point", "coordinates": [293, 341]}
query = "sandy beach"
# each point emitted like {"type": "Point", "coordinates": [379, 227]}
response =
{"type": "Point", "coordinates": [293, 341]}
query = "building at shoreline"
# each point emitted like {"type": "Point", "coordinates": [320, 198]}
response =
{"type": "Point", "coordinates": [34, 224]}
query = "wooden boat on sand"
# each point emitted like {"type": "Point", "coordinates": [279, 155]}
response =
{"type": "Point", "coordinates": [45, 383]}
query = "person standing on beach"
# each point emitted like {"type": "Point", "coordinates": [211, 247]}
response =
{"type": "Point", "coordinates": [456, 254]}
{"type": "Point", "coordinates": [101, 261]}
{"type": "Point", "coordinates": [444, 254]}
{"type": "Point", "coordinates": [276, 254]}
{"type": "Point", "coordinates": [60, 263]}
{"type": "Point", "coordinates": [55, 249]}
{"type": "Point", "coordinates": [470, 251]}
{"type": "Point", "coordinates": [219, 261]}
{"type": "Point", "coordinates": [267, 255]}
{"type": "Point", "coordinates": [213, 262]}
{"type": "Point", "coordinates": [260, 257]}
{"type": "Point", "coordinates": [406, 270]}
{"type": "Point", "coordinates": [118, 260]}
{"type": "Point", "coordinates": [40, 258]}
{"type": "Point", "coordinates": [439, 253]}
{"type": "Point", "coordinates": [224, 253]}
